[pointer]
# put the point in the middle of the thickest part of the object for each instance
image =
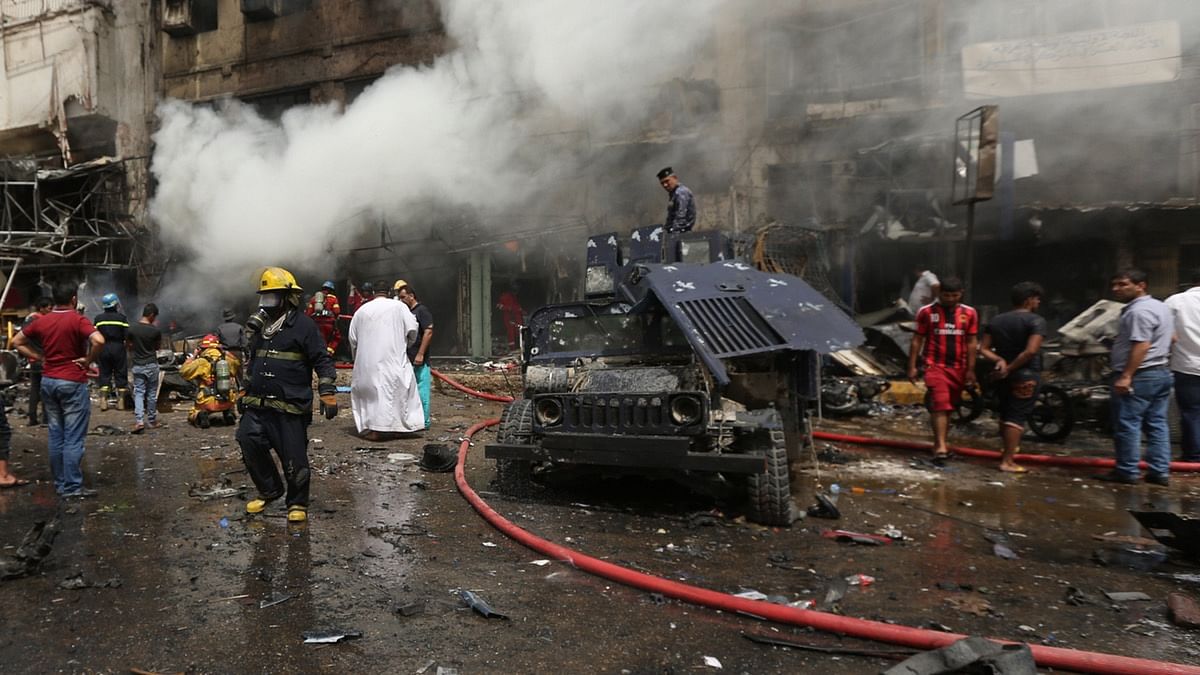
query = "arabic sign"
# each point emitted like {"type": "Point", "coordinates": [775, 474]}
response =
{"type": "Point", "coordinates": [1097, 59]}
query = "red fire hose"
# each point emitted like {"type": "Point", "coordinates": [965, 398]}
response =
{"type": "Point", "coordinates": [1053, 657]}
{"type": "Point", "coordinates": [1046, 460]}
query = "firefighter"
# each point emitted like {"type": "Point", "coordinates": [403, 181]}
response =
{"type": "Point", "coordinates": [285, 348]}
{"type": "Point", "coordinates": [324, 309]}
{"type": "Point", "coordinates": [114, 377]}
{"type": "Point", "coordinates": [215, 372]}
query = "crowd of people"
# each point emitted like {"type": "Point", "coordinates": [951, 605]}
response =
{"type": "Point", "coordinates": [262, 370]}
{"type": "Point", "coordinates": [1156, 351]}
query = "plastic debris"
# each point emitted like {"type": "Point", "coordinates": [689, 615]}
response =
{"type": "Point", "coordinates": [847, 537]}
{"type": "Point", "coordinates": [1002, 551]}
{"type": "Point", "coordinates": [324, 637]}
{"type": "Point", "coordinates": [860, 580]}
{"type": "Point", "coordinates": [824, 508]}
{"type": "Point", "coordinates": [836, 591]}
{"type": "Point", "coordinates": [489, 544]}
{"type": "Point", "coordinates": [224, 523]}
{"type": "Point", "coordinates": [713, 662]}
{"type": "Point", "coordinates": [539, 563]}
{"type": "Point", "coordinates": [751, 594]}
{"type": "Point", "coordinates": [1128, 596]}
{"type": "Point", "coordinates": [480, 605]}
{"type": "Point", "coordinates": [401, 458]}
{"type": "Point", "coordinates": [215, 492]}
{"type": "Point", "coordinates": [275, 599]}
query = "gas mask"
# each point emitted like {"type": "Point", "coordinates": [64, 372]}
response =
{"type": "Point", "coordinates": [271, 307]}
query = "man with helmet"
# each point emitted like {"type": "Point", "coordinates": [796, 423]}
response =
{"type": "Point", "coordinates": [324, 309]}
{"type": "Point", "coordinates": [113, 325]}
{"type": "Point", "coordinates": [215, 372]}
{"type": "Point", "coordinates": [285, 347]}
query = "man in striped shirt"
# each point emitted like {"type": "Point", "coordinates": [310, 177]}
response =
{"type": "Point", "coordinates": [946, 340]}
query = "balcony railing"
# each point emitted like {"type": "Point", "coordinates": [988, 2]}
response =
{"type": "Point", "coordinates": [16, 11]}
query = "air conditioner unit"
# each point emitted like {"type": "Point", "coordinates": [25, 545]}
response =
{"type": "Point", "coordinates": [262, 10]}
{"type": "Point", "coordinates": [188, 17]}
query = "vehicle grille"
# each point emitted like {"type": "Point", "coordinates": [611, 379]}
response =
{"type": "Point", "coordinates": [616, 414]}
{"type": "Point", "coordinates": [730, 326]}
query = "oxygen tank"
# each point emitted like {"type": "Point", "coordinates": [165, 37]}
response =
{"type": "Point", "coordinates": [224, 383]}
{"type": "Point", "coordinates": [319, 302]}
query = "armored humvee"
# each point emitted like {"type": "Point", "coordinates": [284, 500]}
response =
{"type": "Point", "coordinates": [680, 360]}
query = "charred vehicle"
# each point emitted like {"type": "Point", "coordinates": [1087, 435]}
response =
{"type": "Point", "coordinates": [700, 367]}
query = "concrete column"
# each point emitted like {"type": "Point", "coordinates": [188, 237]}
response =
{"type": "Point", "coordinates": [481, 304]}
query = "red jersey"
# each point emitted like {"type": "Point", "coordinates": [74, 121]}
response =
{"type": "Point", "coordinates": [63, 335]}
{"type": "Point", "coordinates": [946, 331]}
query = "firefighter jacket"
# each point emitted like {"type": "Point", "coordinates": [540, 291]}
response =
{"type": "Point", "coordinates": [279, 373]}
{"type": "Point", "coordinates": [201, 371]}
{"type": "Point", "coordinates": [323, 305]}
{"type": "Point", "coordinates": [114, 327]}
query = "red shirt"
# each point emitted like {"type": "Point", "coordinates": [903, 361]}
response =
{"type": "Point", "coordinates": [946, 331]}
{"type": "Point", "coordinates": [63, 335]}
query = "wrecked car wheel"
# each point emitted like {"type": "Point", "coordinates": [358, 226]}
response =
{"type": "Point", "coordinates": [770, 493]}
{"type": "Point", "coordinates": [1052, 418]}
{"type": "Point", "coordinates": [514, 477]}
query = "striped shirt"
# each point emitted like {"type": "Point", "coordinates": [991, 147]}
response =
{"type": "Point", "coordinates": [946, 330]}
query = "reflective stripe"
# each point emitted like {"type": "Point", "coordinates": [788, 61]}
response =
{"type": "Point", "coordinates": [282, 356]}
{"type": "Point", "coordinates": [325, 380]}
{"type": "Point", "coordinates": [272, 403]}
{"type": "Point", "coordinates": [122, 324]}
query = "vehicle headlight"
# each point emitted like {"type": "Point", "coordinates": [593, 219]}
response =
{"type": "Point", "coordinates": [686, 410]}
{"type": "Point", "coordinates": [548, 411]}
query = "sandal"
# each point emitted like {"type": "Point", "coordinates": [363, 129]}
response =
{"type": "Point", "coordinates": [18, 482]}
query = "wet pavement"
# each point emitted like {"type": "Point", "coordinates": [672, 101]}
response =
{"type": "Point", "coordinates": [177, 583]}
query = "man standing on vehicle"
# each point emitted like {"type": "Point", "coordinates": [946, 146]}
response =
{"type": "Point", "coordinates": [1013, 342]}
{"type": "Point", "coordinates": [1141, 389]}
{"type": "Point", "coordinates": [946, 339]}
{"type": "Point", "coordinates": [70, 343]}
{"type": "Point", "coordinates": [1185, 365]}
{"type": "Point", "coordinates": [681, 205]}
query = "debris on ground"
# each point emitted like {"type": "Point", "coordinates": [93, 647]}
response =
{"type": "Point", "coordinates": [776, 641]}
{"type": "Point", "coordinates": [411, 608]}
{"type": "Point", "coordinates": [1128, 596]}
{"type": "Point", "coordinates": [480, 605]}
{"type": "Point", "coordinates": [1132, 558]}
{"type": "Point", "coordinates": [980, 654]}
{"type": "Point", "coordinates": [215, 492]}
{"type": "Point", "coordinates": [401, 458]}
{"type": "Point", "coordinates": [835, 592]}
{"type": "Point", "coordinates": [971, 604]}
{"type": "Point", "coordinates": [1178, 532]}
{"type": "Point", "coordinates": [76, 582]}
{"type": "Point", "coordinates": [323, 637]}
{"type": "Point", "coordinates": [438, 458]}
{"type": "Point", "coordinates": [106, 430]}
{"type": "Point", "coordinates": [1077, 597]}
{"type": "Point", "coordinates": [712, 662]}
{"type": "Point", "coordinates": [1183, 611]}
{"type": "Point", "coordinates": [275, 599]}
{"type": "Point", "coordinates": [824, 508]}
{"type": "Point", "coordinates": [34, 548]}
{"type": "Point", "coordinates": [847, 537]}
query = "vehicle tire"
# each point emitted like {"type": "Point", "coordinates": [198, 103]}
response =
{"type": "Point", "coordinates": [770, 493]}
{"type": "Point", "coordinates": [1052, 418]}
{"type": "Point", "coordinates": [514, 477]}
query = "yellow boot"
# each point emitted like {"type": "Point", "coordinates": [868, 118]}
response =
{"type": "Point", "coordinates": [104, 398]}
{"type": "Point", "coordinates": [256, 505]}
{"type": "Point", "coordinates": [297, 514]}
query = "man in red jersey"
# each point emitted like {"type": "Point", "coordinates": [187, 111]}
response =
{"type": "Point", "coordinates": [946, 340]}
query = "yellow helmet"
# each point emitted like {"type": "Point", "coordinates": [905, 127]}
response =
{"type": "Point", "coordinates": [400, 283]}
{"type": "Point", "coordinates": [277, 279]}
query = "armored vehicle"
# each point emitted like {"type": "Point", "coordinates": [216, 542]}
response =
{"type": "Point", "coordinates": [680, 360]}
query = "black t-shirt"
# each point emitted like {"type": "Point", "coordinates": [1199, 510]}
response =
{"type": "Point", "coordinates": [144, 340]}
{"type": "Point", "coordinates": [424, 320]}
{"type": "Point", "coordinates": [1010, 333]}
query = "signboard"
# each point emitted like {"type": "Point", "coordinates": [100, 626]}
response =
{"type": "Point", "coordinates": [975, 137]}
{"type": "Point", "coordinates": [1096, 59]}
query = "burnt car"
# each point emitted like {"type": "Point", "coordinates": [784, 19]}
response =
{"type": "Point", "coordinates": [692, 370]}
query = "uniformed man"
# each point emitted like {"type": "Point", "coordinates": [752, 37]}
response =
{"type": "Point", "coordinates": [324, 309]}
{"type": "Point", "coordinates": [114, 376]}
{"type": "Point", "coordinates": [681, 207]}
{"type": "Point", "coordinates": [285, 348]}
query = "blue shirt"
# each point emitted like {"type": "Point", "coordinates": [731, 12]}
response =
{"type": "Point", "coordinates": [681, 210]}
{"type": "Point", "coordinates": [1144, 319]}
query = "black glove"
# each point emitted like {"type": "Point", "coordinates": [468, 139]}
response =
{"type": "Point", "coordinates": [241, 406]}
{"type": "Point", "coordinates": [329, 406]}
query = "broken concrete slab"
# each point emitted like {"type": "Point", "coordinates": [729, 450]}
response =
{"type": "Point", "coordinates": [1183, 611]}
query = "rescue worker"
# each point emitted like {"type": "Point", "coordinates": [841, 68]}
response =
{"type": "Point", "coordinates": [285, 348]}
{"type": "Point", "coordinates": [114, 376]}
{"type": "Point", "coordinates": [324, 309]}
{"type": "Point", "coordinates": [215, 371]}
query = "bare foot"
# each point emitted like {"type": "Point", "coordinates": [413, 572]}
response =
{"type": "Point", "coordinates": [1013, 468]}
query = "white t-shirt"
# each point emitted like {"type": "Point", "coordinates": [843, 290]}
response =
{"type": "Point", "coordinates": [922, 292]}
{"type": "Point", "coordinates": [1185, 353]}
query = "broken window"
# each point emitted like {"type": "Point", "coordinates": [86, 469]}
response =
{"type": "Point", "coordinates": [181, 18]}
{"type": "Point", "coordinates": [272, 106]}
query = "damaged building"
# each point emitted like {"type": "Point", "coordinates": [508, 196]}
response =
{"type": "Point", "coordinates": [76, 100]}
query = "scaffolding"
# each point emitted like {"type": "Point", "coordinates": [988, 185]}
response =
{"type": "Point", "coordinates": [67, 218]}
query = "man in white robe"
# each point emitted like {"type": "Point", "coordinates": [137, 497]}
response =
{"type": "Point", "coordinates": [383, 393]}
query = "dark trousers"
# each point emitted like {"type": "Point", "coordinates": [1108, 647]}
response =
{"type": "Point", "coordinates": [35, 395]}
{"type": "Point", "coordinates": [260, 431]}
{"type": "Point", "coordinates": [5, 433]}
{"type": "Point", "coordinates": [112, 367]}
{"type": "Point", "coordinates": [1187, 395]}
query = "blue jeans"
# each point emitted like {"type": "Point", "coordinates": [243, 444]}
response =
{"type": "Point", "coordinates": [1144, 407]}
{"type": "Point", "coordinates": [68, 411]}
{"type": "Point", "coordinates": [1187, 395]}
{"type": "Point", "coordinates": [424, 379]}
{"type": "Point", "coordinates": [145, 393]}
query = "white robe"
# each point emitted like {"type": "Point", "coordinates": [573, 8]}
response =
{"type": "Point", "coordinates": [383, 391]}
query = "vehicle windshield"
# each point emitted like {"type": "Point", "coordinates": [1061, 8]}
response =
{"type": "Point", "coordinates": [612, 334]}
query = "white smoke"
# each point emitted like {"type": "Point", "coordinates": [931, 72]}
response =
{"type": "Point", "coordinates": [236, 192]}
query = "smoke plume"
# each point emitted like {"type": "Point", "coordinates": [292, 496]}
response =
{"type": "Point", "coordinates": [237, 192]}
